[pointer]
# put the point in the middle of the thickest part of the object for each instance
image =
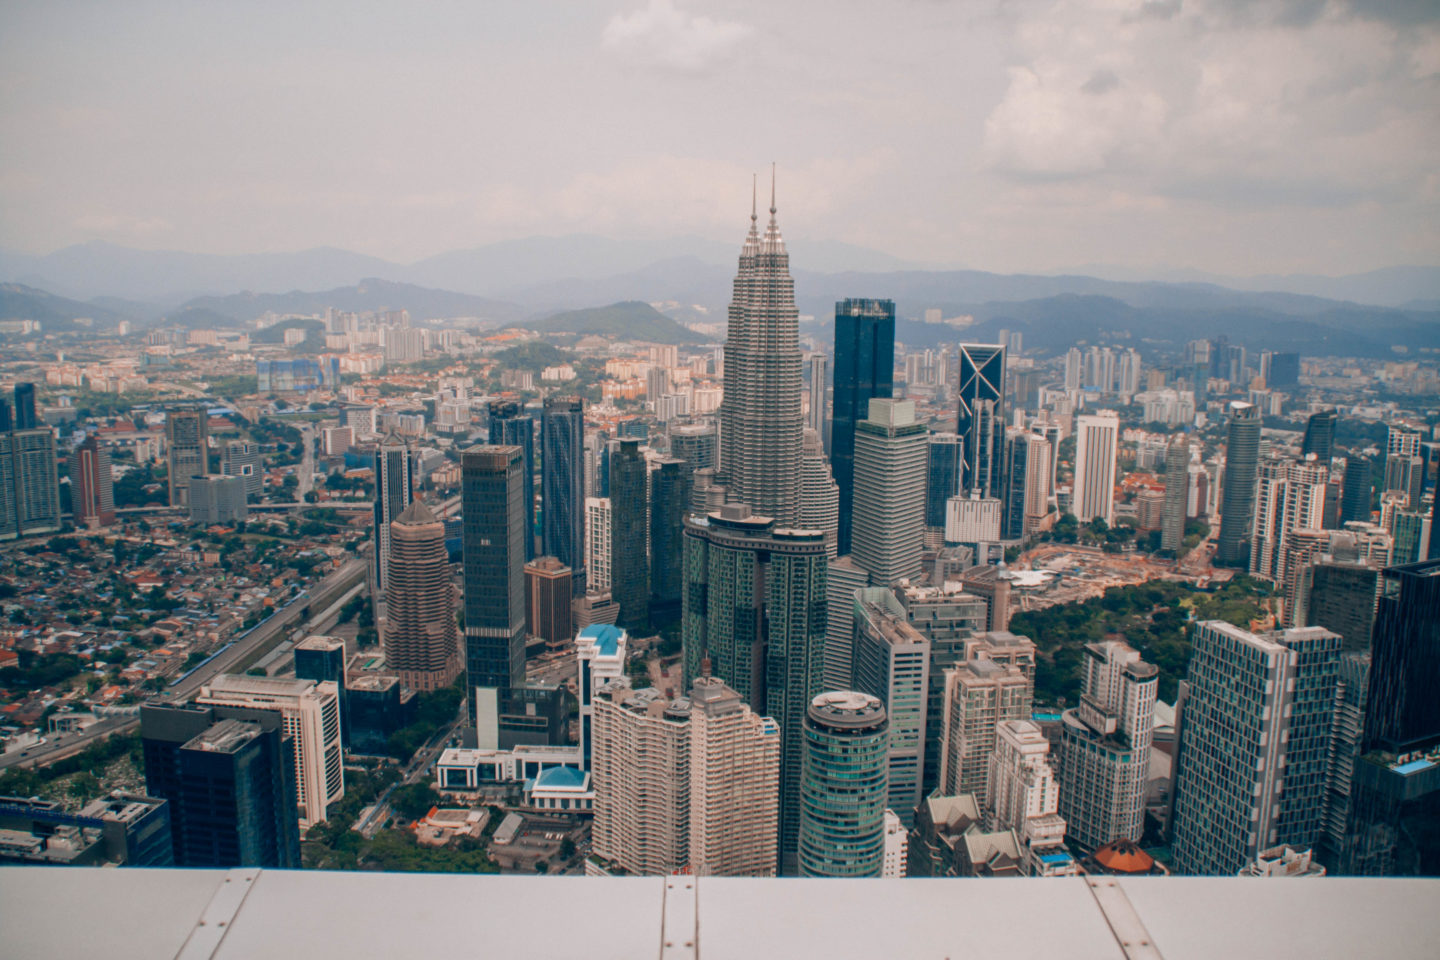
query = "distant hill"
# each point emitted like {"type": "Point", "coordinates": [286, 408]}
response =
{"type": "Point", "coordinates": [370, 294]}
{"type": "Point", "coordinates": [55, 314]}
{"type": "Point", "coordinates": [628, 320]}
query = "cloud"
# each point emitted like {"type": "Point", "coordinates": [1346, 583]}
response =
{"type": "Point", "coordinates": [661, 35]}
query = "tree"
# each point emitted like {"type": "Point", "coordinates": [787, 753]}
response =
{"type": "Point", "coordinates": [567, 849]}
{"type": "Point", "coordinates": [541, 866]}
{"type": "Point", "coordinates": [414, 801]}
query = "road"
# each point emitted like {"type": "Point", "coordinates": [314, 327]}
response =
{"type": "Point", "coordinates": [307, 460]}
{"type": "Point", "coordinates": [58, 749]}
{"type": "Point", "coordinates": [419, 766]}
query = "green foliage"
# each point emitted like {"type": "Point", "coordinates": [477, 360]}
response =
{"type": "Point", "coordinates": [433, 711]}
{"type": "Point", "coordinates": [534, 356]}
{"type": "Point", "coordinates": [34, 671]}
{"type": "Point", "coordinates": [413, 801]}
{"type": "Point", "coordinates": [129, 490]}
{"type": "Point", "coordinates": [628, 320]}
{"type": "Point", "coordinates": [231, 387]}
{"type": "Point", "coordinates": [97, 756]}
{"type": "Point", "coordinates": [1153, 617]}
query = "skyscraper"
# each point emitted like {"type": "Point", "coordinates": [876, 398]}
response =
{"type": "Point", "coordinates": [892, 663]}
{"type": "Point", "coordinates": [1253, 755]}
{"type": "Point", "coordinates": [1237, 505]}
{"type": "Point", "coordinates": [1320, 436]}
{"type": "Point", "coordinates": [629, 539]}
{"type": "Point", "coordinates": [1025, 491]}
{"type": "Point", "coordinates": [864, 369]}
{"type": "Point", "coordinates": [509, 427]}
{"type": "Point", "coordinates": [186, 434]}
{"type": "Point", "coordinates": [755, 604]}
{"type": "Point", "coordinates": [980, 421]}
{"type": "Point", "coordinates": [1025, 796]}
{"type": "Point", "coordinates": [422, 640]}
{"type": "Point", "coordinates": [92, 496]}
{"type": "Point", "coordinates": [942, 481]}
{"type": "Point", "coordinates": [843, 787]}
{"type": "Point", "coordinates": [493, 517]}
{"type": "Point", "coordinates": [1097, 439]}
{"type": "Point", "coordinates": [669, 500]}
{"type": "Point", "coordinates": [819, 496]}
{"type": "Point", "coordinates": [26, 416]}
{"type": "Point", "coordinates": [598, 532]}
{"type": "Point", "coordinates": [241, 458]}
{"type": "Point", "coordinates": [394, 489]}
{"type": "Point", "coordinates": [1289, 497]}
{"type": "Point", "coordinates": [1355, 490]}
{"type": "Point", "coordinates": [979, 694]}
{"type": "Point", "coordinates": [1177, 491]}
{"type": "Point", "coordinates": [562, 484]}
{"type": "Point", "coordinates": [760, 415]}
{"type": "Point", "coordinates": [889, 507]}
{"type": "Point", "coordinates": [734, 784]}
{"type": "Point", "coordinates": [229, 775]}
{"type": "Point", "coordinates": [547, 600]}
{"type": "Point", "coordinates": [695, 443]}
{"type": "Point", "coordinates": [1104, 752]}
{"type": "Point", "coordinates": [817, 418]}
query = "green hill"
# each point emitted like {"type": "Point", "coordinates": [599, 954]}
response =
{"type": "Point", "coordinates": [629, 320]}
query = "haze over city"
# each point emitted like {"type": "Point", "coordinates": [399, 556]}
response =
{"type": "Point", "coordinates": [1231, 138]}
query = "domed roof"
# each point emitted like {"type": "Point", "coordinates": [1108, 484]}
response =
{"type": "Point", "coordinates": [1123, 856]}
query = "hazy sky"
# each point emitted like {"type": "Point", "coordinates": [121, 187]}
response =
{"type": "Point", "coordinates": [1240, 136]}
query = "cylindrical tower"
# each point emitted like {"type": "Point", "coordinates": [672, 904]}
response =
{"type": "Point", "coordinates": [843, 786]}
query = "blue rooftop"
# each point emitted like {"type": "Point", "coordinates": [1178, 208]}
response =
{"type": "Point", "coordinates": [560, 778]}
{"type": "Point", "coordinates": [1055, 857]}
{"type": "Point", "coordinates": [606, 636]}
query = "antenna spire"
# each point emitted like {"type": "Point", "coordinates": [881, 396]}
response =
{"type": "Point", "coordinates": [772, 188]}
{"type": "Point", "coordinates": [754, 193]}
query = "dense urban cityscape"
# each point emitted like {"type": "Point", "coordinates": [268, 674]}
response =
{"type": "Point", "coordinates": [441, 509]}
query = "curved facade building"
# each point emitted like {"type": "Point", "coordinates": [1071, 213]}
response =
{"type": "Point", "coordinates": [843, 787]}
{"type": "Point", "coordinates": [422, 639]}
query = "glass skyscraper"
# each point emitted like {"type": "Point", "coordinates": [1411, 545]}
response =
{"type": "Point", "coordinates": [843, 787]}
{"type": "Point", "coordinates": [562, 484]}
{"type": "Point", "coordinates": [629, 561]}
{"type": "Point", "coordinates": [980, 419]}
{"type": "Point", "coordinates": [1237, 496]}
{"type": "Point", "coordinates": [864, 369]}
{"type": "Point", "coordinates": [491, 490]}
{"type": "Point", "coordinates": [509, 426]}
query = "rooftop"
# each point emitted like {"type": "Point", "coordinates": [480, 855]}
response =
{"type": "Point", "coordinates": [606, 637]}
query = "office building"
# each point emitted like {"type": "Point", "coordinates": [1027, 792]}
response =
{"type": "Point", "coordinates": [889, 491]}
{"type": "Point", "coordinates": [600, 651]}
{"type": "Point", "coordinates": [1237, 504]}
{"type": "Point", "coordinates": [980, 421]}
{"type": "Point", "coordinates": [1025, 796]}
{"type": "Point", "coordinates": [92, 491]}
{"type": "Point", "coordinates": [562, 485]}
{"type": "Point", "coordinates": [322, 659]}
{"type": "Point", "coordinates": [1341, 597]}
{"type": "Point", "coordinates": [734, 785]}
{"type": "Point", "coordinates": [816, 417]}
{"type": "Point", "coordinates": [335, 441]}
{"type": "Point", "coordinates": [394, 490]}
{"type": "Point", "coordinates": [241, 458]}
{"type": "Point", "coordinates": [760, 420]}
{"type": "Point", "coordinates": [695, 443]}
{"type": "Point", "coordinates": [843, 578]}
{"type": "Point", "coordinates": [1254, 744]}
{"type": "Point", "coordinates": [360, 420]}
{"type": "Point", "coordinates": [310, 713]}
{"type": "Point", "coordinates": [843, 786]}
{"type": "Point", "coordinates": [819, 496]}
{"type": "Point", "coordinates": [629, 535]}
{"type": "Point", "coordinates": [510, 427]}
{"type": "Point", "coordinates": [864, 370]}
{"type": "Point", "coordinates": [491, 490]}
{"type": "Point", "coordinates": [1025, 491]}
{"type": "Point", "coordinates": [26, 416]}
{"type": "Point", "coordinates": [216, 499]}
{"type": "Point", "coordinates": [1096, 443]}
{"type": "Point", "coordinates": [187, 439]}
{"type": "Point", "coordinates": [669, 501]}
{"type": "Point", "coordinates": [755, 605]}
{"type": "Point", "coordinates": [1103, 756]}
{"type": "Point", "coordinates": [1411, 532]}
{"type": "Point", "coordinates": [422, 640]}
{"type": "Point", "coordinates": [942, 481]}
{"type": "Point", "coordinates": [119, 829]}
{"type": "Point", "coordinates": [1289, 498]}
{"type": "Point", "coordinates": [1177, 491]}
{"type": "Point", "coordinates": [228, 774]}
{"type": "Point", "coordinates": [892, 663]}
{"type": "Point", "coordinates": [1355, 491]}
{"type": "Point", "coordinates": [547, 600]}
{"type": "Point", "coordinates": [1320, 436]}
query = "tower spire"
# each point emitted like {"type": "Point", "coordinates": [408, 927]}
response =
{"type": "Point", "coordinates": [772, 189]}
{"type": "Point", "coordinates": [754, 193]}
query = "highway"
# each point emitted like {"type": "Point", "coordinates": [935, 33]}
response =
{"type": "Point", "coordinates": [59, 748]}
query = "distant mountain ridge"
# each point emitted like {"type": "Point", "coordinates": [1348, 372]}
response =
{"type": "Point", "coordinates": [368, 295]}
{"type": "Point", "coordinates": [629, 320]}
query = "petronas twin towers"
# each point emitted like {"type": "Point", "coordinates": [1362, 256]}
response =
{"type": "Point", "coordinates": [760, 421]}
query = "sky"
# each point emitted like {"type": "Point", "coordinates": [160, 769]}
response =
{"type": "Point", "coordinates": [1229, 136]}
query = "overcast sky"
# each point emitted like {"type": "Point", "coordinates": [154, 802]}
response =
{"type": "Point", "coordinates": [1228, 135]}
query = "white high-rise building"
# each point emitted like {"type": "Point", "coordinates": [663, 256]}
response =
{"type": "Point", "coordinates": [1074, 369]}
{"type": "Point", "coordinates": [599, 658]}
{"type": "Point", "coordinates": [891, 452]}
{"type": "Point", "coordinates": [845, 577]}
{"type": "Point", "coordinates": [734, 785]}
{"type": "Point", "coordinates": [1129, 383]}
{"type": "Point", "coordinates": [598, 555]}
{"type": "Point", "coordinates": [1096, 442]}
{"type": "Point", "coordinates": [1103, 756]}
{"type": "Point", "coordinates": [1024, 797]}
{"type": "Point", "coordinates": [979, 694]}
{"type": "Point", "coordinates": [310, 713]}
{"type": "Point", "coordinates": [1290, 497]}
{"type": "Point", "coordinates": [819, 496]}
{"type": "Point", "coordinates": [897, 847]}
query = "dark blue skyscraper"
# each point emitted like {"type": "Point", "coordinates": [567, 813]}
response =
{"type": "Point", "coordinates": [629, 565]}
{"type": "Point", "coordinates": [980, 418]}
{"type": "Point", "coordinates": [25, 415]}
{"type": "Point", "coordinates": [490, 495]}
{"type": "Point", "coordinates": [942, 479]}
{"type": "Point", "coordinates": [1237, 497]}
{"type": "Point", "coordinates": [394, 489]}
{"type": "Point", "coordinates": [864, 369]}
{"type": "Point", "coordinates": [562, 484]}
{"type": "Point", "coordinates": [1320, 436]}
{"type": "Point", "coordinates": [1355, 490]}
{"type": "Point", "coordinates": [510, 427]}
